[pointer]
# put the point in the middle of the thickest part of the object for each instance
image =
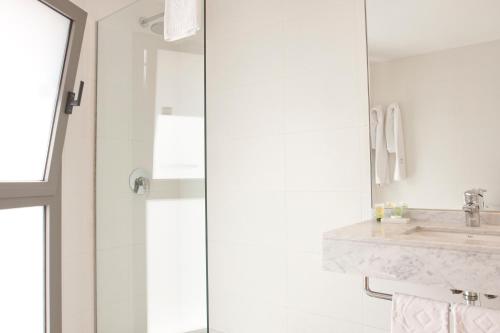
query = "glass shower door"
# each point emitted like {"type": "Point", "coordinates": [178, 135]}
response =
{"type": "Point", "coordinates": [151, 260]}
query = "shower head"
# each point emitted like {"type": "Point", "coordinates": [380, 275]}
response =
{"type": "Point", "coordinates": [157, 28]}
{"type": "Point", "coordinates": [156, 22]}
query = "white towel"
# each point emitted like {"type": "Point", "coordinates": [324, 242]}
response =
{"type": "Point", "coordinates": [395, 140]}
{"type": "Point", "coordinates": [182, 19]}
{"type": "Point", "coordinates": [412, 314]}
{"type": "Point", "coordinates": [473, 319]}
{"type": "Point", "coordinates": [379, 144]}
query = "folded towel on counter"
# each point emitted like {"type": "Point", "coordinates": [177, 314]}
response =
{"type": "Point", "coordinates": [395, 140]}
{"type": "Point", "coordinates": [182, 19]}
{"type": "Point", "coordinates": [411, 314]}
{"type": "Point", "coordinates": [379, 145]}
{"type": "Point", "coordinates": [474, 319]}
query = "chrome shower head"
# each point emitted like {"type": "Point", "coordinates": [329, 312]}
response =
{"type": "Point", "coordinates": [155, 23]}
{"type": "Point", "coordinates": [157, 28]}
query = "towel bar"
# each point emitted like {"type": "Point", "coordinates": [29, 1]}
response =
{"type": "Point", "coordinates": [470, 297]}
{"type": "Point", "coordinates": [375, 294]}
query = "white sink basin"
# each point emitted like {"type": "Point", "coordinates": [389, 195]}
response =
{"type": "Point", "coordinates": [470, 236]}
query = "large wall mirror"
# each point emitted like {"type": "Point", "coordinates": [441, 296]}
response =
{"type": "Point", "coordinates": [434, 74]}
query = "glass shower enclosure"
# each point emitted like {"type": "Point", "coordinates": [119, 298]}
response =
{"type": "Point", "coordinates": [150, 200]}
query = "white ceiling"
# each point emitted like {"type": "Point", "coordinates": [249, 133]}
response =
{"type": "Point", "coordinates": [403, 28]}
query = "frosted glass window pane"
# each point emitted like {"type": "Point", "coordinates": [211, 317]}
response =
{"type": "Point", "coordinates": [34, 39]}
{"type": "Point", "coordinates": [22, 280]}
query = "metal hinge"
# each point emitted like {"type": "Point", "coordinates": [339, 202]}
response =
{"type": "Point", "coordinates": [72, 101]}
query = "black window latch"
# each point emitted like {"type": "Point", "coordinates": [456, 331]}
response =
{"type": "Point", "coordinates": [72, 101]}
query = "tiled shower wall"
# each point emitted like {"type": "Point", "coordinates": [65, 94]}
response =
{"type": "Point", "coordinates": [288, 158]}
{"type": "Point", "coordinates": [78, 185]}
{"type": "Point", "coordinates": [150, 249]}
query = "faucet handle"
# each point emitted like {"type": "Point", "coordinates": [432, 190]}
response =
{"type": "Point", "coordinates": [482, 193]}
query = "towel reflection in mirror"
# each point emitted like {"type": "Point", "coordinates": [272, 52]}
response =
{"type": "Point", "coordinates": [387, 137]}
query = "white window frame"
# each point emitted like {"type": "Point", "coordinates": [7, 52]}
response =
{"type": "Point", "coordinates": [47, 192]}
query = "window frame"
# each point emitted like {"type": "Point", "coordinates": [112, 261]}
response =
{"type": "Point", "coordinates": [47, 192]}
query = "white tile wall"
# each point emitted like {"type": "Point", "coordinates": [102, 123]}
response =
{"type": "Point", "coordinates": [249, 217]}
{"type": "Point", "coordinates": [309, 214]}
{"type": "Point", "coordinates": [118, 310]}
{"type": "Point", "coordinates": [287, 150]}
{"type": "Point", "coordinates": [249, 110]}
{"type": "Point", "coordinates": [139, 289]}
{"type": "Point", "coordinates": [231, 313]}
{"type": "Point", "coordinates": [310, 97]}
{"type": "Point", "coordinates": [323, 161]}
{"type": "Point", "coordinates": [256, 163]}
{"type": "Point", "coordinates": [300, 322]}
{"type": "Point", "coordinates": [114, 275]}
{"type": "Point", "coordinates": [78, 186]}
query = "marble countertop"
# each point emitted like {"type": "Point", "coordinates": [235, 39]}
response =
{"type": "Point", "coordinates": [442, 235]}
{"type": "Point", "coordinates": [434, 249]}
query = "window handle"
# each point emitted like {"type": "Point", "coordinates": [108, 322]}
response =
{"type": "Point", "coordinates": [72, 101]}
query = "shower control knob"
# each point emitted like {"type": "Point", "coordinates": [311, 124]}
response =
{"type": "Point", "coordinates": [139, 181]}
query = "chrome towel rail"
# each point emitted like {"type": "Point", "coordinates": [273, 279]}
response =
{"type": "Point", "coordinates": [470, 297]}
{"type": "Point", "coordinates": [375, 294]}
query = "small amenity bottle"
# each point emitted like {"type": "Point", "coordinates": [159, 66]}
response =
{"type": "Point", "coordinates": [379, 212]}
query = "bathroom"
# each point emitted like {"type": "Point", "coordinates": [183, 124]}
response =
{"type": "Point", "coordinates": [189, 166]}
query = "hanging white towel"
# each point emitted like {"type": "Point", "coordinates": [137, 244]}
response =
{"type": "Point", "coordinates": [379, 145]}
{"type": "Point", "coordinates": [395, 140]}
{"type": "Point", "coordinates": [473, 319]}
{"type": "Point", "coordinates": [182, 19]}
{"type": "Point", "coordinates": [411, 314]}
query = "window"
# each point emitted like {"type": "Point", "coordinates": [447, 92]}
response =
{"type": "Point", "coordinates": [41, 42]}
{"type": "Point", "coordinates": [22, 279]}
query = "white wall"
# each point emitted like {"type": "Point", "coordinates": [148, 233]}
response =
{"type": "Point", "coordinates": [175, 228]}
{"type": "Point", "coordinates": [179, 121]}
{"type": "Point", "coordinates": [449, 101]}
{"type": "Point", "coordinates": [78, 186]}
{"type": "Point", "coordinates": [426, 26]}
{"type": "Point", "coordinates": [175, 247]}
{"type": "Point", "coordinates": [180, 85]}
{"type": "Point", "coordinates": [288, 158]}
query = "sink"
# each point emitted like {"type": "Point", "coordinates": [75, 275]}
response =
{"type": "Point", "coordinates": [470, 236]}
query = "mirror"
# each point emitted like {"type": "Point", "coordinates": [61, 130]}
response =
{"type": "Point", "coordinates": [434, 78]}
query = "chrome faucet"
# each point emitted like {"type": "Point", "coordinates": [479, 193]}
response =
{"type": "Point", "coordinates": [474, 201]}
